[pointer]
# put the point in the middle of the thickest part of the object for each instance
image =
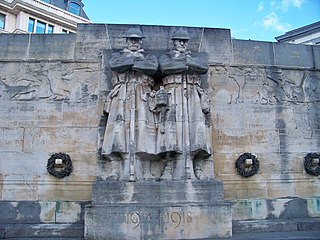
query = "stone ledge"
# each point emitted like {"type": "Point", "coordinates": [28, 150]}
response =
{"type": "Point", "coordinates": [157, 192]}
{"type": "Point", "coordinates": [276, 225]}
{"type": "Point", "coordinates": [308, 224]}
{"type": "Point", "coordinates": [41, 230]}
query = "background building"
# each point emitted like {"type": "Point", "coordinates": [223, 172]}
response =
{"type": "Point", "coordinates": [36, 16]}
{"type": "Point", "coordinates": [309, 34]}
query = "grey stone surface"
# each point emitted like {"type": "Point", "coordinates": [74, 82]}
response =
{"type": "Point", "coordinates": [52, 80]}
{"type": "Point", "coordinates": [316, 56]}
{"type": "Point", "coordinates": [156, 37]}
{"type": "Point", "coordinates": [49, 104]}
{"type": "Point", "coordinates": [14, 46]}
{"type": "Point", "coordinates": [160, 192]}
{"type": "Point", "coordinates": [35, 212]}
{"type": "Point", "coordinates": [158, 210]}
{"type": "Point", "coordinates": [252, 52]}
{"type": "Point", "coordinates": [264, 226]}
{"type": "Point", "coordinates": [291, 235]}
{"type": "Point", "coordinates": [183, 221]}
{"type": "Point", "coordinates": [22, 212]}
{"type": "Point", "coordinates": [295, 55]}
{"type": "Point", "coordinates": [91, 39]}
{"type": "Point", "coordinates": [37, 46]}
{"type": "Point", "coordinates": [56, 46]}
{"type": "Point", "coordinates": [281, 208]}
{"type": "Point", "coordinates": [48, 231]}
{"type": "Point", "coordinates": [309, 224]}
{"type": "Point", "coordinates": [296, 208]}
{"type": "Point", "coordinates": [278, 225]}
{"type": "Point", "coordinates": [313, 205]}
{"type": "Point", "coordinates": [130, 127]}
{"type": "Point", "coordinates": [217, 43]}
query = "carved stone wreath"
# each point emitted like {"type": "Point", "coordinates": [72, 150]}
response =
{"type": "Point", "coordinates": [66, 165]}
{"type": "Point", "coordinates": [311, 167]}
{"type": "Point", "coordinates": [247, 171]}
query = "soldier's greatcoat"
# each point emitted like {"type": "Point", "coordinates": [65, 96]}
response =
{"type": "Point", "coordinates": [187, 123]}
{"type": "Point", "coordinates": [132, 80]}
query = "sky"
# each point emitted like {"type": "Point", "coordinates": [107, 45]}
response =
{"type": "Point", "coordinates": [260, 20]}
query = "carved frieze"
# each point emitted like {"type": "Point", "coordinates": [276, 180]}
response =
{"type": "Point", "coordinates": [48, 80]}
{"type": "Point", "coordinates": [265, 86]}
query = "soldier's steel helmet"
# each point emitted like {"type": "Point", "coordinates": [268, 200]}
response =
{"type": "Point", "coordinates": [133, 33]}
{"type": "Point", "coordinates": [180, 34]}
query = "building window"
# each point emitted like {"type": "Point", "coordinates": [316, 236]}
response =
{"type": "Point", "coordinates": [37, 26]}
{"type": "Point", "coordinates": [2, 18]}
{"type": "Point", "coordinates": [41, 27]}
{"type": "Point", "coordinates": [31, 25]}
{"type": "Point", "coordinates": [50, 29]}
{"type": "Point", "coordinates": [75, 8]}
{"type": "Point", "coordinates": [64, 31]}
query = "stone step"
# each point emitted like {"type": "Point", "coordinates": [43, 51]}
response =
{"type": "Point", "coordinates": [46, 238]}
{"type": "Point", "coordinates": [41, 231]}
{"type": "Point", "coordinates": [293, 235]}
{"type": "Point", "coordinates": [275, 225]}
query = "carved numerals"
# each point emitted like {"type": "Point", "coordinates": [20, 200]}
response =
{"type": "Point", "coordinates": [172, 219]}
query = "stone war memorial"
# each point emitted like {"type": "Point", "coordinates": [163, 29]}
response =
{"type": "Point", "coordinates": [156, 132]}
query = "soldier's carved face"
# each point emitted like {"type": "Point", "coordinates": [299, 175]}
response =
{"type": "Point", "coordinates": [134, 44]}
{"type": "Point", "coordinates": [180, 45]}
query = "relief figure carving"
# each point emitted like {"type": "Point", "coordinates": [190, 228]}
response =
{"type": "Point", "coordinates": [130, 129]}
{"type": "Point", "coordinates": [184, 135]}
{"type": "Point", "coordinates": [172, 124]}
{"type": "Point", "coordinates": [47, 80]}
{"type": "Point", "coordinates": [275, 86]}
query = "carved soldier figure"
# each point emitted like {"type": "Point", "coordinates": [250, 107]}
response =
{"type": "Point", "coordinates": [185, 135]}
{"type": "Point", "coordinates": [129, 140]}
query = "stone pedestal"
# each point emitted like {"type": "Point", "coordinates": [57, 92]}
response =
{"type": "Point", "coordinates": [158, 210]}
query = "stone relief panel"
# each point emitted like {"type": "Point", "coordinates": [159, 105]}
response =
{"type": "Point", "coordinates": [49, 80]}
{"type": "Point", "coordinates": [147, 123]}
{"type": "Point", "coordinates": [265, 86]}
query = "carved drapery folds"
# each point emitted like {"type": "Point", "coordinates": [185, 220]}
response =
{"type": "Point", "coordinates": [130, 130]}
{"type": "Point", "coordinates": [170, 125]}
{"type": "Point", "coordinates": [187, 132]}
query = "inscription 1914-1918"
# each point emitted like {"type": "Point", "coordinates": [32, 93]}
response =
{"type": "Point", "coordinates": [173, 219]}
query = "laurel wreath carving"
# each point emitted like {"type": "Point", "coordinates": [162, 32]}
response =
{"type": "Point", "coordinates": [247, 171]}
{"type": "Point", "coordinates": [66, 165]}
{"type": "Point", "coordinates": [308, 164]}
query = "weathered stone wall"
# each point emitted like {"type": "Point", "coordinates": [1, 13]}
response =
{"type": "Point", "coordinates": [267, 102]}
{"type": "Point", "coordinates": [265, 99]}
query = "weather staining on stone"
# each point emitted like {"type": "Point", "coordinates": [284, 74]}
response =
{"type": "Point", "coordinates": [170, 125]}
{"type": "Point", "coordinates": [184, 141]}
{"type": "Point", "coordinates": [130, 130]}
{"type": "Point", "coordinates": [268, 86]}
{"type": "Point", "coordinates": [48, 80]}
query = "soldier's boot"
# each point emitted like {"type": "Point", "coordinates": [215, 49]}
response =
{"type": "Point", "coordinates": [146, 173]}
{"type": "Point", "coordinates": [167, 172]}
{"type": "Point", "coordinates": [114, 175]}
{"type": "Point", "coordinates": [199, 173]}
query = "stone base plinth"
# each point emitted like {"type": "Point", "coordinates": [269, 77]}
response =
{"type": "Point", "coordinates": [147, 210]}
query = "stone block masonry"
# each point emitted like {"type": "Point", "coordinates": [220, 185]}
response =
{"type": "Point", "coordinates": [265, 99]}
